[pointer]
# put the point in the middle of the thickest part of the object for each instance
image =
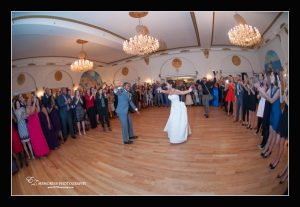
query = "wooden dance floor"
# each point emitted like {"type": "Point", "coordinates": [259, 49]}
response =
{"type": "Point", "coordinates": [219, 158]}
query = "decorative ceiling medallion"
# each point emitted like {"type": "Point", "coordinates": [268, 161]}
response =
{"type": "Point", "coordinates": [58, 75]}
{"type": "Point", "coordinates": [21, 79]}
{"type": "Point", "coordinates": [125, 71]}
{"type": "Point", "coordinates": [177, 63]}
{"type": "Point", "coordinates": [138, 14]}
{"type": "Point", "coordinates": [236, 60]}
{"type": "Point", "coordinates": [80, 41]}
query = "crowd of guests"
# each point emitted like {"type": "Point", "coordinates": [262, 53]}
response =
{"type": "Point", "coordinates": [43, 124]}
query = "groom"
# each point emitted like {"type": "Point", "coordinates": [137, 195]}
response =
{"type": "Point", "coordinates": [124, 99]}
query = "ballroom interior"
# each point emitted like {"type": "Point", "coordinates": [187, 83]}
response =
{"type": "Point", "coordinates": [83, 49]}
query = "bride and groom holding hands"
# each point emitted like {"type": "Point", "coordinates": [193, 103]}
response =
{"type": "Point", "coordinates": [177, 125]}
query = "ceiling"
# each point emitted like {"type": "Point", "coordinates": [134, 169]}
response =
{"type": "Point", "coordinates": [54, 34]}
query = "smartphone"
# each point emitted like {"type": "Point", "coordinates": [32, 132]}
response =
{"type": "Point", "coordinates": [277, 76]}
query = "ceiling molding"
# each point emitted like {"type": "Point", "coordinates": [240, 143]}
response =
{"type": "Point", "coordinates": [182, 51]}
{"type": "Point", "coordinates": [68, 20]}
{"type": "Point", "coordinates": [212, 32]}
{"type": "Point", "coordinates": [195, 27]}
{"type": "Point", "coordinates": [167, 50]}
{"type": "Point", "coordinates": [51, 64]}
{"type": "Point", "coordinates": [274, 20]}
{"type": "Point", "coordinates": [54, 57]}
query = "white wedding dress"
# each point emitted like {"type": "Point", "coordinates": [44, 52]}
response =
{"type": "Point", "coordinates": [177, 125]}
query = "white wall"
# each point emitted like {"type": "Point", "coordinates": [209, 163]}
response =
{"type": "Point", "coordinates": [42, 75]}
{"type": "Point", "coordinates": [191, 62]}
{"type": "Point", "coordinates": [279, 41]}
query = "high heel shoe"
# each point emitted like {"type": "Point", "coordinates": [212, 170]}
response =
{"type": "Point", "coordinates": [273, 166]}
{"type": "Point", "coordinates": [265, 156]}
{"type": "Point", "coordinates": [281, 182]}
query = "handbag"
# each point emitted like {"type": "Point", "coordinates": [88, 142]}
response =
{"type": "Point", "coordinates": [211, 97]}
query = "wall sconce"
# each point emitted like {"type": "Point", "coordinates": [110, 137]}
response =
{"type": "Point", "coordinates": [39, 93]}
{"type": "Point", "coordinates": [208, 76]}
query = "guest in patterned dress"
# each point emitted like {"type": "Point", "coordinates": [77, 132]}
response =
{"type": "Point", "coordinates": [22, 127]}
{"type": "Point", "coordinates": [17, 147]}
{"type": "Point", "coordinates": [79, 111]}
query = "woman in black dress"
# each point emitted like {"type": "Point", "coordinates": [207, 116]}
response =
{"type": "Point", "coordinates": [55, 119]}
{"type": "Point", "coordinates": [47, 128]}
{"type": "Point", "coordinates": [251, 103]}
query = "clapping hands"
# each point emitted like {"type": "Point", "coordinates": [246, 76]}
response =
{"type": "Point", "coordinates": [256, 85]}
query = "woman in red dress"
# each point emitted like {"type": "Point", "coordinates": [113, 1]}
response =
{"type": "Point", "coordinates": [230, 98]}
{"type": "Point", "coordinates": [38, 140]}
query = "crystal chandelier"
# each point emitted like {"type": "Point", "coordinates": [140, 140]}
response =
{"type": "Point", "coordinates": [82, 64]}
{"type": "Point", "coordinates": [142, 43]}
{"type": "Point", "coordinates": [244, 35]}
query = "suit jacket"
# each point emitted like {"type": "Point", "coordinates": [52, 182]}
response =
{"type": "Point", "coordinates": [124, 100]}
{"type": "Point", "coordinates": [98, 103]}
{"type": "Point", "coordinates": [61, 102]}
{"type": "Point", "coordinates": [46, 100]}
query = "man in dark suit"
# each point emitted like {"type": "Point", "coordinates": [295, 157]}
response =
{"type": "Point", "coordinates": [65, 113]}
{"type": "Point", "coordinates": [102, 109]}
{"type": "Point", "coordinates": [46, 98]}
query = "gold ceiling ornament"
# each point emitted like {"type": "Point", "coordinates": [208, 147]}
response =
{"type": "Point", "coordinates": [125, 71]}
{"type": "Point", "coordinates": [142, 43]}
{"type": "Point", "coordinates": [138, 14]}
{"type": "Point", "coordinates": [206, 52]}
{"type": "Point", "coordinates": [21, 79]}
{"type": "Point", "coordinates": [244, 35]}
{"type": "Point", "coordinates": [177, 63]}
{"type": "Point", "coordinates": [82, 64]}
{"type": "Point", "coordinates": [58, 75]}
{"type": "Point", "coordinates": [236, 60]}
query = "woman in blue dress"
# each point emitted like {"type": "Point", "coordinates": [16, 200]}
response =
{"type": "Point", "coordinates": [274, 98]}
{"type": "Point", "coordinates": [283, 125]}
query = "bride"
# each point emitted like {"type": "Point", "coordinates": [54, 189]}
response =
{"type": "Point", "coordinates": [177, 125]}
